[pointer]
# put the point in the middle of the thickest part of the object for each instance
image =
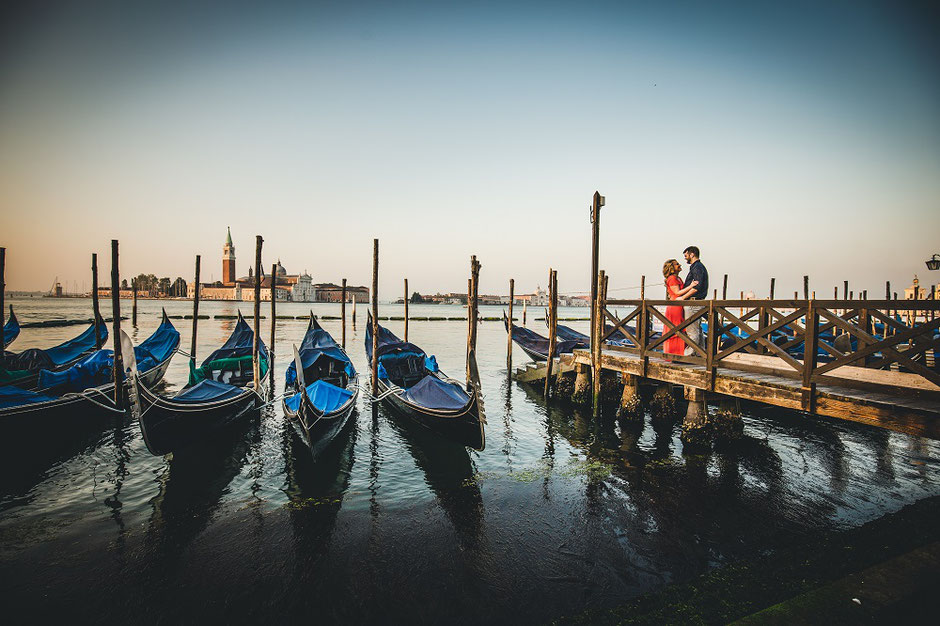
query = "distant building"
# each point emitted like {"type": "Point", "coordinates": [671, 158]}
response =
{"type": "Point", "coordinates": [915, 288]}
{"type": "Point", "coordinates": [228, 260]}
{"type": "Point", "coordinates": [328, 292]}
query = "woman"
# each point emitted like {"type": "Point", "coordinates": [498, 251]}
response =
{"type": "Point", "coordinates": [675, 314]}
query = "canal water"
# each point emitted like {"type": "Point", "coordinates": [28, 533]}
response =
{"type": "Point", "coordinates": [558, 514]}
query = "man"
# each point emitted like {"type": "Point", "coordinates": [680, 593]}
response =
{"type": "Point", "coordinates": [697, 272]}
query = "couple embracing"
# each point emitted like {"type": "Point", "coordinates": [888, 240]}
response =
{"type": "Point", "coordinates": [695, 287]}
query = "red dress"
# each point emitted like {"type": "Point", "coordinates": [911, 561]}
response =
{"type": "Point", "coordinates": [676, 315]}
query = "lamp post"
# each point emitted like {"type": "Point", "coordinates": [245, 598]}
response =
{"type": "Point", "coordinates": [933, 263]}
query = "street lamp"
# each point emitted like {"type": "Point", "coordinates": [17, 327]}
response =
{"type": "Point", "coordinates": [934, 262]}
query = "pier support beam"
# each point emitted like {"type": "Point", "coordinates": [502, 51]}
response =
{"type": "Point", "coordinates": [663, 404]}
{"type": "Point", "coordinates": [695, 430]}
{"type": "Point", "coordinates": [726, 424]}
{"type": "Point", "coordinates": [631, 406]}
{"type": "Point", "coordinates": [582, 385]}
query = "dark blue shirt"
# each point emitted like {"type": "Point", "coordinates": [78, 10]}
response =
{"type": "Point", "coordinates": [698, 272]}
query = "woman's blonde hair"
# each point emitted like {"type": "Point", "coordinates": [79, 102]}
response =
{"type": "Point", "coordinates": [671, 267]}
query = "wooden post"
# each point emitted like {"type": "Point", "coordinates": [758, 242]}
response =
{"type": "Point", "coordinates": [192, 350]}
{"type": "Point", "coordinates": [888, 310]}
{"type": "Point", "coordinates": [552, 311]}
{"type": "Point", "coordinates": [256, 346]}
{"type": "Point", "coordinates": [512, 288]}
{"type": "Point", "coordinates": [524, 305]}
{"type": "Point", "coordinates": [596, 204]}
{"type": "Point", "coordinates": [354, 311]}
{"type": "Point", "coordinates": [772, 281]}
{"type": "Point", "coordinates": [810, 346]}
{"type": "Point", "coordinates": [643, 287]}
{"type": "Point", "coordinates": [134, 313]}
{"type": "Point", "coordinates": [375, 317]}
{"type": "Point", "coordinates": [806, 287]}
{"type": "Point", "coordinates": [724, 288]}
{"type": "Point", "coordinates": [96, 309]}
{"type": "Point", "coordinates": [3, 321]}
{"type": "Point", "coordinates": [118, 375]}
{"type": "Point", "coordinates": [342, 310]}
{"type": "Point", "coordinates": [273, 324]}
{"type": "Point", "coordinates": [469, 317]}
{"type": "Point", "coordinates": [473, 312]}
{"type": "Point", "coordinates": [712, 344]}
{"type": "Point", "coordinates": [845, 290]}
{"type": "Point", "coordinates": [596, 346]}
{"type": "Point", "coordinates": [406, 310]}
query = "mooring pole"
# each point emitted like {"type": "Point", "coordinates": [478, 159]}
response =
{"type": "Point", "coordinates": [596, 203]}
{"type": "Point", "coordinates": [772, 281]}
{"type": "Point", "coordinates": [596, 349]}
{"type": "Point", "coordinates": [116, 312]}
{"type": "Point", "coordinates": [474, 295]}
{"type": "Point", "coordinates": [94, 299]}
{"type": "Point", "coordinates": [806, 287]}
{"type": "Point", "coordinates": [375, 317]}
{"type": "Point", "coordinates": [525, 304]}
{"type": "Point", "coordinates": [354, 310]}
{"type": "Point", "coordinates": [342, 310]}
{"type": "Point", "coordinates": [512, 286]}
{"type": "Point", "coordinates": [406, 310]}
{"type": "Point", "coordinates": [724, 288]}
{"type": "Point", "coordinates": [273, 324]}
{"type": "Point", "coordinates": [256, 342]}
{"type": "Point", "coordinates": [134, 310]}
{"type": "Point", "coordinates": [192, 348]}
{"type": "Point", "coordinates": [552, 314]}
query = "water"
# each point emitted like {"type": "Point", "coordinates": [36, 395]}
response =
{"type": "Point", "coordinates": [392, 523]}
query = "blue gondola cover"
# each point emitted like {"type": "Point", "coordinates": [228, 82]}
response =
{"type": "Point", "coordinates": [14, 396]}
{"type": "Point", "coordinates": [97, 368]}
{"type": "Point", "coordinates": [323, 395]}
{"type": "Point", "coordinates": [208, 391]}
{"type": "Point", "coordinates": [434, 393]}
{"type": "Point", "coordinates": [318, 344]}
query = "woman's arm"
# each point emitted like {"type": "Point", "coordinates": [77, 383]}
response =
{"type": "Point", "coordinates": [683, 294]}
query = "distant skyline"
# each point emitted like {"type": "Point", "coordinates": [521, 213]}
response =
{"type": "Point", "coordinates": [781, 138]}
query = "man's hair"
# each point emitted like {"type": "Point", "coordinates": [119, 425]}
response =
{"type": "Point", "coordinates": [692, 249]}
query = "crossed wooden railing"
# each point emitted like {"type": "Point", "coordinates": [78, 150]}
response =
{"type": "Point", "coordinates": [813, 339]}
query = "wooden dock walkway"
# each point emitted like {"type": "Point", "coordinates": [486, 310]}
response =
{"type": "Point", "coordinates": [868, 361]}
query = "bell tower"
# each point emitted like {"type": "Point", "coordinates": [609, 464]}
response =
{"type": "Point", "coordinates": [228, 260]}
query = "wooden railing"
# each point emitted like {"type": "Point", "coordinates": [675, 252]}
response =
{"type": "Point", "coordinates": [815, 341]}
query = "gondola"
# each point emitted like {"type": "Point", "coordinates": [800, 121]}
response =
{"type": "Point", "coordinates": [11, 329]}
{"type": "Point", "coordinates": [411, 384]}
{"type": "Point", "coordinates": [321, 387]}
{"type": "Point", "coordinates": [535, 345]}
{"type": "Point", "coordinates": [22, 369]}
{"type": "Point", "coordinates": [69, 398]}
{"type": "Point", "coordinates": [217, 395]}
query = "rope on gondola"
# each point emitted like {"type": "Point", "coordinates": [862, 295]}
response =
{"type": "Point", "coordinates": [273, 401]}
{"type": "Point", "coordinates": [86, 396]}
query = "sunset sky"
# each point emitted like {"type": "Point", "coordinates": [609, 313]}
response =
{"type": "Point", "coordinates": [783, 138]}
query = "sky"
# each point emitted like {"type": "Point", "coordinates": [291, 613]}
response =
{"type": "Point", "coordinates": [782, 138]}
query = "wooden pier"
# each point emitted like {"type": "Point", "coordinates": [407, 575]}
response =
{"type": "Point", "coordinates": [868, 361]}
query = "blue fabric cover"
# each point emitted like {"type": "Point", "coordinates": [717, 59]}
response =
{"type": "Point", "coordinates": [11, 329]}
{"type": "Point", "coordinates": [208, 391]}
{"type": "Point", "coordinates": [63, 353]}
{"type": "Point", "coordinates": [434, 393]}
{"type": "Point", "coordinates": [324, 396]}
{"type": "Point", "coordinates": [97, 368]}
{"type": "Point", "coordinates": [239, 344]}
{"type": "Point", "coordinates": [430, 363]}
{"type": "Point", "coordinates": [14, 396]}
{"type": "Point", "coordinates": [382, 372]}
{"type": "Point", "coordinates": [318, 344]}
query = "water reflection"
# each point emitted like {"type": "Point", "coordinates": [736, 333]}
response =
{"type": "Point", "coordinates": [191, 489]}
{"type": "Point", "coordinates": [449, 472]}
{"type": "Point", "coordinates": [315, 487]}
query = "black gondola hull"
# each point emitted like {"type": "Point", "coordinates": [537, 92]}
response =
{"type": "Point", "coordinates": [463, 425]}
{"type": "Point", "coordinates": [319, 429]}
{"type": "Point", "coordinates": [169, 425]}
